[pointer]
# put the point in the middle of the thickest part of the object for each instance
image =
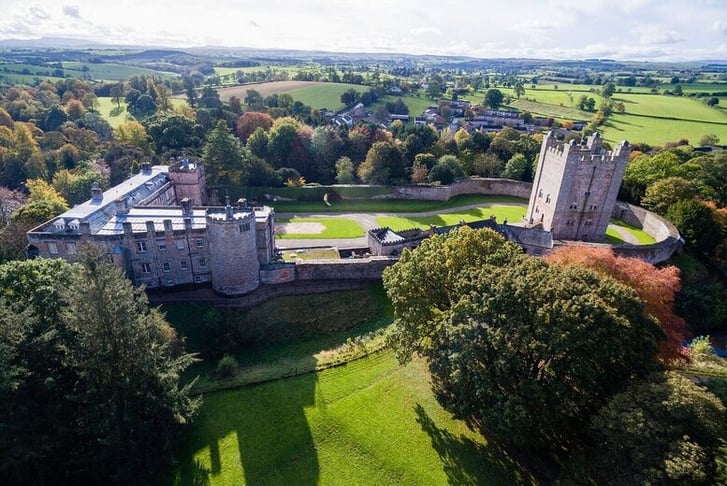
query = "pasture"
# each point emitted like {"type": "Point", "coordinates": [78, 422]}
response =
{"type": "Point", "coordinates": [110, 71]}
{"type": "Point", "coordinates": [552, 111]}
{"type": "Point", "coordinates": [312, 93]}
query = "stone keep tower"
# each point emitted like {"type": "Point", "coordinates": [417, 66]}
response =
{"type": "Point", "coordinates": [234, 260]}
{"type": "Point", "coordinates": [575, 187]}
{"type": "Point", "coordinates": [187, 175]}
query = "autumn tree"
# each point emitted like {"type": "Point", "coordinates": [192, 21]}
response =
{"type": "Point", "coordinates": [657, 287]}
{"type": "Point", "coordinates": [383, 165]}
{"type": "Point", "coordinates": [250, 121]}
{"type": "Point", "coordinates": [665, 192]}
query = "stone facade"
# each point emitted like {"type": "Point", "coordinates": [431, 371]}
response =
{"type": "Point", "coordinates": [575, 188]}
{"type": "Point", "coordinates": [161, 241]}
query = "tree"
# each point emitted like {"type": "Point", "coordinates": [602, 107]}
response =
{"type": "Point", "coordinates": [253, 99]}
{"type": "Point", "coordinates": [517, 168]}
{"type": "Point", "coordinates": [661, 430]}
{"type": "Point", "coordinates": [665, 192]}
{"type": "Point", "coordinates": [383, 165]}
{"type": "Point", "coordinates": [493, 98]}
{"type": "Point", "coordinates": [223, 157]}
{"type": "Point", "coordinates": [326, 147]}
{"type": "Point", "coordinates": [608, 90]}
{"type": "Point", "coordinates": [344, 171]}
{"type": "Point", "coordinates": [350, 97]}
{"type": "Point", "coordinates": [251, 121]}
{"type": "Point", "coordinates": [518, 89]}
{"type": "Point", "coordinates": [656, 287]}
{"type": "Point", "coordinates": [709, 139]}
{"type": "Point", "coordinates": [129, 364]}
{"type": "Point", "coordinates": [523, 350]}
{"type": "Point", "coordinates": [434, 90]}
{"type": "Point", "coordinates": [697, 224]}
{"type": "Point", "coordinates": [173, 132]}
{"type": "Point", "coordinates": [446, 170]}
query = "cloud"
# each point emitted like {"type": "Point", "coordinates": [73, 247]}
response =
{"type": "Point", "coordinates": [252, 23]}
{"type": "Point", "coordinates": [72, 11]}
{"type": "Point", "coordinates": [659, 35]}
{"type": "Point", "coordinates": [425, 31]}
{"type": "Point", "coordinates": [720, 27]}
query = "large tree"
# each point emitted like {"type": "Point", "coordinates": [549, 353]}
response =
{"type": "Point", "coordinates": [523, 350]}
{"type": "Point", "coordinates": [494, 98]}
{"type": "Point", "coordinates": [91, 388]}
{"type": "Point", "coordinates": [223, 157]}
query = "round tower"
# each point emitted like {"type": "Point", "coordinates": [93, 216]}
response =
{"type": "Point", "coordinates": [233, 260]}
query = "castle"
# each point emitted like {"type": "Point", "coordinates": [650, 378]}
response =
{"type": "Point", "coordinates": [156, 227]}
{"type": "Point", "coordinates": [575, 188]}
{"type": "Point", "coordinates": [156, 224]}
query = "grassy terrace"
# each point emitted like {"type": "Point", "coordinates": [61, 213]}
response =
{"type": "Point", "coordinates": [388, 205]}
{"type": "Point", "coordinates": [501, 212]}
{"type": "Point", "coordinates": [333, 228]}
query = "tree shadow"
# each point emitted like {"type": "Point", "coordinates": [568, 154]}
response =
{"type": "Point", "coordinates": [469, 463]}
{"type": "Point", "coordinates": [274, 444]}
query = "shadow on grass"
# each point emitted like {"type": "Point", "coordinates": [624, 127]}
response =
{"type": "Point", "coordinates": [465, 461]}
{"type": "Point", "coordinates": [254, 435]}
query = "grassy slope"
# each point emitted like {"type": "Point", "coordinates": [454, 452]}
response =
{"type": "Point", "coordinates": [110, 71]}
{"type": "Point", "coordinates": [370, 422]}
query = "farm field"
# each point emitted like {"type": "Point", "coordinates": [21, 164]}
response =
{"type": "Point", "coordinates": [110, 71]}
{"type": "Point", "coordinates": [657, 131]}
{"type": "Point", "coordinates": [372, 421]}
{"type": "Point", "coordinates": [553, 111]}
{"type": "Point", "coordinates": [322, 95]}
{"type": "Point", "coordinates": [673, 107]}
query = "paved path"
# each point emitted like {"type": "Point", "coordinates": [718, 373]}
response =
{"type": "Point", "coordinates": [367, 222]}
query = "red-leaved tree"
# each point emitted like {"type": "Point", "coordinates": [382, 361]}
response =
{"type": "Point", "coordinates": [655, 286]}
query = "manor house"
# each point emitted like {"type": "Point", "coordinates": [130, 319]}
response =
{"type": "Point", "coordinates": [155, 225]}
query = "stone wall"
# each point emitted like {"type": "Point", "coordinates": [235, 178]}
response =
{"type": "Point", "coordinates": [352, 269]}
{"type": "Point", "coordinates": [492, 187]}
{"type": "Point", "coordinates": [666, 235]}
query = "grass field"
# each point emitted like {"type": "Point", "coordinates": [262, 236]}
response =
{"type": "Point", "coordinates": [389, 205]}
{"type": "Point", "coordinates": [416, 105]}
{"type": "Point", "coordinates": [110, 112]}
{"type": "Point", "coordinates": [501, 212]}
{"type": "Point", "coordinates": [312, 93]}
{"type": "Point", "coordinates": [110, 71]}
{"type": "Point", "coordinates": [369, 422]}
{"type": "Point", "coordinates": [657, 131]}
{"type": "Point", "coordinates": [333, 228]}
{"type": "Point", "coordinates": [553, 111]}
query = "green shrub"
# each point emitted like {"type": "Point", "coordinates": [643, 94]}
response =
{"type": "Point", "coordinates": [227, 367]}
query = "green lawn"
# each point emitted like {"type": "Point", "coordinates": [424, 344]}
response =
{"type": "Point", "coordinates": [388, 205]}
{"type": "Point", "coordinates": [333, 228]}
{"type": "Point", "coordinates": [673, 107]}
{"type": "Point", "coordinates": [322, 95]}
{"type": "Point", "coordinates": [501, 212]}
{"type": "Point", "coordinates": [642, 236]}
{"type": "Point", "coordinates": [369, 422]}
{"type": "Point", "coordinates": [416, 105]}
{"type": "Point", "coordinates": [111, 113]}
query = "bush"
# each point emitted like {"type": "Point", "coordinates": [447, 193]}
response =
{"type": "Point", "coordinates": [227, 367]}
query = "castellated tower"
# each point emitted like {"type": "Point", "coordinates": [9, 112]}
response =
{"type": "Point", "coordinates": [187, 176]}
{"type": "Point", "coordinates": [575, 188]}
{"type": "Point", "coordinates": [234, 263]}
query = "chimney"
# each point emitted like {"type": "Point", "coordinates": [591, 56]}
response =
{"type": "Point", "coordinates": [150, 227]}
{"type": "Point", "coordinates": [186, 206]}
{"type": "Point", "coordinates": [96, 193]}
{"type": "Point", "coordinates": [242, 203]}
{"type": "Point", "coordinates": [121, 206]}
{"type": "Point", "coordinates": [146, 168]}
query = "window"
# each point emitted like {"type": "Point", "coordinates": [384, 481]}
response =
{"type": "Point", "coordinates": [183, 264]}
{"type": "Point", "coordinates": [168, 223]}
{"type": "Point", "coordinates": [570, 222]}
{"type": "Point", "coordinates": [203, 262]}
{"type": "Point", "coordinates": [162, 245]}
{"type": "Point", "coordinates": [199, 243]}
{"type": "Point", "coordinates": [540, 193]}
{"type": "Point", "coordinates": [547, 199]}
{"type": "Point", "coordinates": [588, 193]}
{"type": "Point", "coordinates": [574, 206]}
{"type": "Point", "coordinates": [71, 248]}
{"type": "Point", "coordinates": [179, 243]}
{"type": "Point", "coordinates": [52, 248]}
{"type": "Point", "coordinates": [167, 266]}
{"type": "Point", "coordinates": [244, 227]}
{"type": "Point", "coordinates": [145, 268]}
{"type": "Point", "coordinates": [594, 207]}
{"type": "Point", "coordinates": [588, 223]}
{"type": "Point", "coordinates": [141, 246]}
{"type": "Point", "coordinates": [197, 278]}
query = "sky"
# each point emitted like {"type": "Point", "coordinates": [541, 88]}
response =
{"type": "Point", "coordinates": [640, 30]}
